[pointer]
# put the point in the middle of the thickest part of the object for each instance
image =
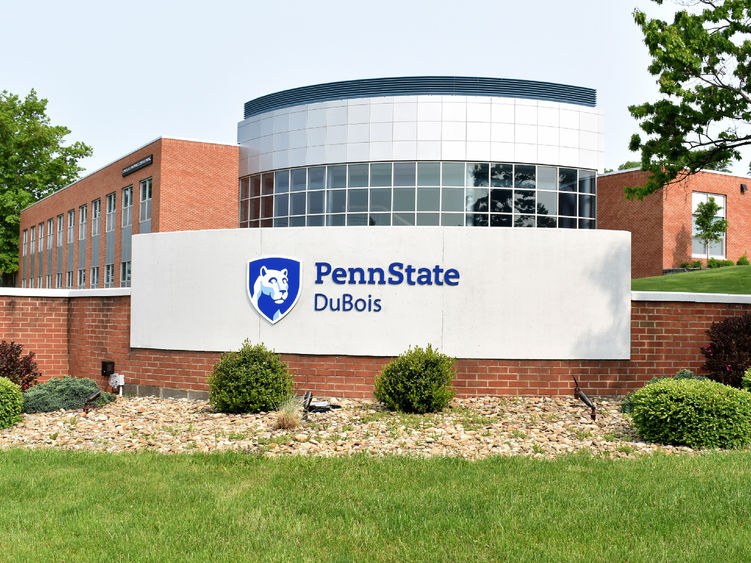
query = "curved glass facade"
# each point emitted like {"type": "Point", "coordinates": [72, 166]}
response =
{"type": "Point", "coordinates": [428, 193]}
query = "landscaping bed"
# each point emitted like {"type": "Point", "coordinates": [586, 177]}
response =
{"type": "Point", "coordinates": [471, 428]}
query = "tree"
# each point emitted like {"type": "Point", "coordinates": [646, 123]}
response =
{"type": "Point", "coordinates": [625, 166]}
{"type": "Point", "coordinates": [703, 64]}
{"type": "Point", "coordinates": [708, 227]}
{"type": "Point", "coordinates": [34, 162]}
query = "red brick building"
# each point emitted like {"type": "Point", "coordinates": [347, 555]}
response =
{"type": "Point", "coordinates": [79, 237]}
{"type": "Point", "coordinates": [661, 224]}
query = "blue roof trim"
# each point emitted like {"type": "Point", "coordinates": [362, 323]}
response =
{"type": "Point", "coordinates": [423, 85]}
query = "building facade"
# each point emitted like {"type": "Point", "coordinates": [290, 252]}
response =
{"type": "Point", "coordinates": [425, 151]}
{"type": "Point", "coordinates": [661, 225]}
{"type": "Point", "coordinates": [80, 236]}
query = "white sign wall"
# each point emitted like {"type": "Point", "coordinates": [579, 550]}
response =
{"type": "Point", "coordinates": [474, 292]}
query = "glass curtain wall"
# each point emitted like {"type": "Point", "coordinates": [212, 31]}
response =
{"type": "Point", "coordinates": [421, 193]}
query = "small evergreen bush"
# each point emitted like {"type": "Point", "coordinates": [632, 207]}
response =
{"type": "Point", "coordinates": [715, 263]}
{"type": "Point", "coordinates": [418, 381]}
{"type": "Point", "coordinates": [69, 393]}
{"type": "Point", "coordinates": [696, 264]}
{"type": "Point", "coordinates": [21, 370]}
{"type": "Point", "coordinates": [743, 260]}
{"type": "Point", "coordinates": [728, 354]}
{"type": "Point", "coordinates": [252, 379]}
{"type": "Point", "coordinates": [627, 406]}
{"type": "Point", "coordinates": [698, 414]}
{"type": "Point", "coordinates": [11, 403]}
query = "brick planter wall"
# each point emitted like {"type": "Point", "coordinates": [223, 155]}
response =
{"type": "Point", "coordinates": [73, 335]}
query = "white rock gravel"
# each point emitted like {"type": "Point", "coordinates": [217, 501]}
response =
{"type": "Point", "coordinates": [471, 428]}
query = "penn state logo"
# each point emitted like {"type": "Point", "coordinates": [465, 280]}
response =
{"type": "Point", "coordinates": [273, 286]}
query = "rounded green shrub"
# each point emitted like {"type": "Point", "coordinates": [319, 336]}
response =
{"type": "Point", "coordinates": [252, 379]}
{"type": "Point", "coordinates": [627, 406]}
{"type": "Point", "coordinates": [418, 381]}
{"type": "Point", "coordinates": [743, 260]}
{"type": "Point", "coordinates": [11, 403]}
{"type": "Point", "coordinates": [694, 413]}
{"type": "Point", "coordinates": [69, 393]}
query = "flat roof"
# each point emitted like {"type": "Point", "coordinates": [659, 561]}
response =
{"type": "Point", "coordinates": [423, 85]}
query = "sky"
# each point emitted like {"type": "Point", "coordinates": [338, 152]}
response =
{"type": "Point", "coordinates": [119, 75]}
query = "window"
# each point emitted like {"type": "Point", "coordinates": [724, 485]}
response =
{"type": "Point", "coordinates": [39, 282]}
{"type": "Point", "coordinates": [71, 225]}
{"type": "Point", "coordinates": [31, 283]}
{"type": "Point", "coordinates": [59, 280]}
{"type": "Point", "coordinates": [109, 224]}
{"type": "Point", "coordinates": [25, 242]}
{"type": "Point", "coordinates": [109, 275]}
{"type": "Point", "coordinates": [81, 278]}
{"type": "Point", "coordinates": [127, 205]}
{"type": "Point", "coordinates": [477, 194]}
{"type": "Point", "coordinates": [40, 228]}
{"type": "Point", "coordinates": [95, 276]}
{"type": "Point", "coordinates": [48, 281]}
{"type": "Point", "coordinates": [32, 239]}
{"type": "Point", "coordinates": [145, 210]}
{"type": "Point", "coordinates": [59, 230]}
{"type": "Point", "coordinates": [50, 233]}
{"type": "Point", "coordinates": [82, 218]}
{"type": "Point", "coordinates": [125, 274]}
{"type": "Point", "coordinates": [95, 213]}
{"type": "Point", "coordinates": [716, 249]}
{"type": "Point", "coordinates": [69, 279]}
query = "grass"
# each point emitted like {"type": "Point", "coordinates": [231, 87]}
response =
{"type": "Point", "coordinates": [731, 279]}
{"type": "Point", "coordinates": [67, 506]}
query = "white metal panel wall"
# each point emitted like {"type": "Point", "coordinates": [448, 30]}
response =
{"type": "Point", "coordinates": [408, 128]}
{"type": "Point", "coordinates": [522, 293]}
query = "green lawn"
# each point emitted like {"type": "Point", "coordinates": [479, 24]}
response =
{"type": "Point", "coordinates": [67, 506]}
{"type": "Point", "coordinates": [731, 279]}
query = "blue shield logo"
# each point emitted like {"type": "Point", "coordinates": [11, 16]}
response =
{"type": "Point", "coordinates": [274, 286]}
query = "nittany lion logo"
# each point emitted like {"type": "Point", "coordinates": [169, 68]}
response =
{"type": "Point", "coordinates": [273, 286]}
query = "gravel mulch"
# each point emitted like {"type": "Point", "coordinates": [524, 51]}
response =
{"type": "Point", "coordinates": [472, 428]}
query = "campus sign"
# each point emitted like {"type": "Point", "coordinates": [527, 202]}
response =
{"type": "Point", "coordinates": [473, 293]}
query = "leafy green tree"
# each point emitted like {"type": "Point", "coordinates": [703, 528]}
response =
{"type": "Point", "coordinates": [709, 228]}
{"type": "Point", "coordinates": [34, 162]}
{"type": "Point", "coordinates": [703, 64]}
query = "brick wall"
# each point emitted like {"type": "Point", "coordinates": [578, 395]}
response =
{"type": "Point", "coordinates": [643, 218]}
{"type": "Point", "coordinates": [660, 224]}
{"type": "Point", "coordinates": [199, 188]}
{"type": "Point", "coordinates": [73, 335]}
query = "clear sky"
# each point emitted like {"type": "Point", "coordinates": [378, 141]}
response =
{"type": "Point", "coordinates": [121, 74]}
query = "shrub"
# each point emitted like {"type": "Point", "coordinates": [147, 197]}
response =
{"type": "Point", "coordinates": [627, 406]}
{"type": "Point", "coordinates": [21, 370]}
{"type": "Point", "coordinates": [69, 393]}
{"type": "Point", "coordinates": [698, 414]}
{"type": "Point", "coordinates": [11, 403]}
{"type": "Point", "coordinates": [696, 264]}
{"type": "Point", "coordinates": [685, 264]}
{"type": "Point", "coordinates": [417, 381]}
{"type": "Point", "coordinates": [728, 354]}
{"type": "Point", "coordinates": [252, 379]}
{"type": "Point", "coordinates": [743, 260]}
